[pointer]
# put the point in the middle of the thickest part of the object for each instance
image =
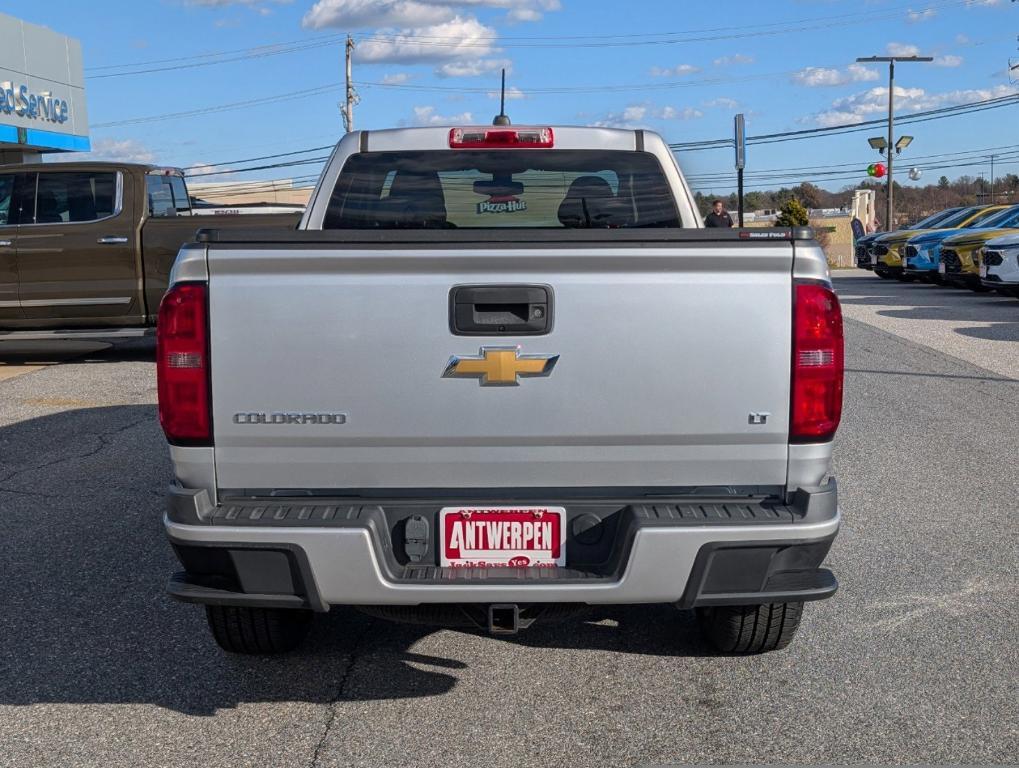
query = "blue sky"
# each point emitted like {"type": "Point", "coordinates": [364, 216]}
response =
{"type": "Point", "coordinates": [677, 67]}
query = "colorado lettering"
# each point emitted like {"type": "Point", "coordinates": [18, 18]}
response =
{"type": "Point", "coordinates": [290, 418]}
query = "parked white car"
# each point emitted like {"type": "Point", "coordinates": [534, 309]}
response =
{"type": "Point", "coordinates": [999, 264]}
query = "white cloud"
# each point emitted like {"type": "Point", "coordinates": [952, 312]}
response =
{"type": "Point", "coordinates": [373, 14]}
{"type": "Point", "coordinates": [722, 103]}
{"type": "Point", "coordinates": [671, 113]}
{"type": "Point", "coordinates": [915, 17]}
{"type": "Point", "coordinates": [962, 39]}
{"type": "Point", "coordinates": [524, 14]}
{"type": "Point", "coordinates": [637, 116]}
{"type": "Point", "coordinates": [473, 68]}
{"type": "Point", "coordinates": [902, 49]}
{"type": "Point", "coordinates": [206, 173]}
{"type": "Point", "coordinates": [677, 71]}
{"type": "Point", "coordinates": [738, 58]}
{"type": "Point", "coordinates": [439, 32]}
{"type": "Point", "coordinates": [511, 93]}
{"type": "Point", "coordinates": [873, 103]}
{"type": "Point", "coordinates": [815, 77]}
{"type": "Point", "coordinates": [948, 60]}
{"type": "Point", "coordinates": [116, 150]}
{"type": "Point", "coordinates": [363, 14]}
{"type": "Point", "coordinates": [426, 115]}
{"type": "Point", "coordinates": [397, 78]}
{"type": "Point", "coordinates": [470, 43]}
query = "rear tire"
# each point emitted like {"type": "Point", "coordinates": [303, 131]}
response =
{"type": "Point", "coordinates": [883, 275]}
{"type": "Point", "coordinates": [257, 630]}
{"type": "Point", "coordinates": [750, 628]}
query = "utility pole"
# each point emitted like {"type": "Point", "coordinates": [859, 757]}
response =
{"type": "Point", "coordinates": [352, 97]}
{"type": "Point", "coordinates": [740, 141]}
{"type": "Point", "coordinates": [889, 204]}
{"type": "Point", "coordinates": [992, 179]}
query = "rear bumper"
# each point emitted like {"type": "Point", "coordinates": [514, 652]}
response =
{"type": "Point", "coordinates": [306, 553]}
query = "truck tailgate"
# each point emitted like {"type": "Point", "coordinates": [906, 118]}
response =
{"type": "Point", "coordinates": [665, 352]}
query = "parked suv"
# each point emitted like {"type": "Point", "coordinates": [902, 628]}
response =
{"type": "Point", "coordinates": [887, 250]}
{"type": "Point", "coordinates": [999, 264]}
{"type": "Point", "coordinates": [960, 253]}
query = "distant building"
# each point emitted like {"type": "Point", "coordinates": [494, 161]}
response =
{"type": "Point", "coordinates": [42, 92]}
{"type": "Point", "coordinates": [234, 193]}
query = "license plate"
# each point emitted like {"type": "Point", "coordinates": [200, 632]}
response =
{"type": "Point", "coordinates": [514, 537]}
{"type": "Point", "coordinates": [983, 270]}
{"type": "Point", "coordinates": [941, 268]}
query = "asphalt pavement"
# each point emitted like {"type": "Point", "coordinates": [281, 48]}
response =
{"type": "Point", "coordinates": [914, 661]}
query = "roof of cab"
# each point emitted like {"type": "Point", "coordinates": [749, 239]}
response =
{"type": "Point", "coordinates": [88, 165]}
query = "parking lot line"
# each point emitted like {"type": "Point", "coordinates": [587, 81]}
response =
{"type": "Point", "coordinates": [9, 371]}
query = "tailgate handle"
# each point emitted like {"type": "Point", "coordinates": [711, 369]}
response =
{"type": "Point", "coordinates": [493, 310]}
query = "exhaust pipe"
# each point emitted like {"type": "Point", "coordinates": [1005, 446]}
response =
{"type": "Point", "coordinates": [503, 618]}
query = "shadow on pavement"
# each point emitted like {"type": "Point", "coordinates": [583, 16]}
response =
{"type": "Point", "coordinates": [995, 332]}
{"type": "Point", "coordinates": [85, 618]}
{"type": "Point", "coordinates": [920, 301]}
{"type": "Point", "coordinates": [46, 352]}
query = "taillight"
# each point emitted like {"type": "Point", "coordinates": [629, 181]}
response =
{"type": "Point", "coordinates": [182, 365]}
{"type": "Point", "coordinates": [495, 138]}
{"type": "Point", "coordinates": [818, 364]}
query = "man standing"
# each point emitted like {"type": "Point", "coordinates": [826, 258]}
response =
{"type": "Point", "coordinates": [718, 217]}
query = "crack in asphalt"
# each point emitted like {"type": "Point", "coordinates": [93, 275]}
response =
{"type": "Point", "coordinates": [103, 443]}
{"type": "Point", "coordinates": [331, 721]}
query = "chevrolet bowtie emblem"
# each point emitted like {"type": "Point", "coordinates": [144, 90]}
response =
{"type": "Point", "coordinates": [500, 366]}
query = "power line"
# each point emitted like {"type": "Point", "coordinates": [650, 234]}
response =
{"type": "Point", "coordinates": [764, 138]}
{"type": "Point", "coordinates": [914, 117]}
{"type": "Point", "coordinates": [221, 107]}
{"type": "Point", "coordinates": [917, 160]}
{"type": "Point", "coordinates": [835, 176]}
{"type": "Point", "coordinates": [266, 157]}
{"type": "Point", "coordinates": [550, 41]}
{"type": "Point", "coordinates": [272, 166]}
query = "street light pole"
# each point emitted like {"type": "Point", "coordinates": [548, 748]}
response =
{"type": "Point", "coordinates": [889, 201]}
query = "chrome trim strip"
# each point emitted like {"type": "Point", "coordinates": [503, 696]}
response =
{"type": "Point", "coordinates": [5, 304]}
{"type": "Point", "coordinates": [76, 302]}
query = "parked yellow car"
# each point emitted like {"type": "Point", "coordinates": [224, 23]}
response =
{"type": "Point", "coordinates": [960, 254]}
{"type": "Point", "coordinates": [886, 251]}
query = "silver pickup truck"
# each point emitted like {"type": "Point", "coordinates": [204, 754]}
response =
{"type": "Point", "coordinates": [499, 375]}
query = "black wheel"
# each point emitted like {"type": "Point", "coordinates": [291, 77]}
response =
{"type": "Point", "coordinates": [905, 278]}
{"type": "Point", "coordinates": [750, 628]}
{"type": "Point", "coordinates": [257, 630]}
{"type": "Point", "coordinates": [883, 275]}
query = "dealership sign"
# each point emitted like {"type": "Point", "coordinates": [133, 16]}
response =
{"type": "Point", "coordinates": [19, 100]}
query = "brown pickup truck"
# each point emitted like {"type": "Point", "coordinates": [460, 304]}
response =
{"type": "Point", "coordinates": [86, 248]}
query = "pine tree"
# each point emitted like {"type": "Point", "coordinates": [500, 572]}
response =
{"type": "Point", "coordinates": [793, 214]}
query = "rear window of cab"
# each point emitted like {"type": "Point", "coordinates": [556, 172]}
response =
{"type": "Point", "coordinates": [502, 188]}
